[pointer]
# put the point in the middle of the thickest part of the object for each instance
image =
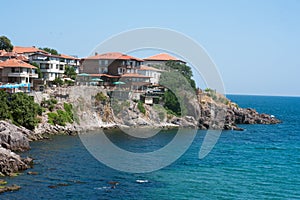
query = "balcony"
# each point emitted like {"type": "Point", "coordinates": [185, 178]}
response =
{"type": "Point", "coordinates": [33, 75]}
{"type": "Point", "coordinates": [17, 74]}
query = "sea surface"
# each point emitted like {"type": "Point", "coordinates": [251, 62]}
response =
{"type": "Point", "coordinates": [262, 162]}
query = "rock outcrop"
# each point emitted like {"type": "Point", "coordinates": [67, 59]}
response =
{"type": "Point", "coordinates": [215, 114]}
{"type": "Point", "coordinates": [209, 111]}
{"type": "Point", "coordinates": [14, 139]}
{"type": "Point", "coordinates": [11, 162]}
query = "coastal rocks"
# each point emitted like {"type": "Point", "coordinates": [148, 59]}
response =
{"type": "Point", "coordinates": [13, 137]}
{"type": "Point", "coordinates": [185, 122]}
{"type": "Point", "coordinates": [226, 117]}
{"type": "Point", "coordinates": [11, 163]}
{"type": "Point", "coordinates": [46, 128]}
{"type": "Point", "coordinates": [250, 116]}
{"type": "Point", "coordinates": [9, 188]}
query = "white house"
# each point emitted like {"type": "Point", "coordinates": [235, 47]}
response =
{"type": "Point", "coordinates": [152, 72]}
{"type": "Point", "coordinates": [53, 66]}
{"type": "Point", "coordinates": [17, 71]}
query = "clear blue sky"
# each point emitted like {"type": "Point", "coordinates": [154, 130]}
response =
{"type": "Point", "coordinates": [255, 44]}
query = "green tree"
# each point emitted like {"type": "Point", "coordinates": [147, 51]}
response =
{"type": "Point", "coordinates": [4, 108]}
{"type": "Point", "coordinates": [38, 70]}
{"type": "Point", "coordinates": [5, 44]}
{"type": "Point", "coordinates": [58, 81]}
{"type": "Point", "coordinates": [24, 110]}
{"type": "Point", "coordinates": [141, 107]}
{"type": "Point", "coordinates": [179, 88]}
{"type": "Point", "coordinates": [183, 69]}
{"type": "Point", "coordinates": [50, 50]}
{"type": "Point", "coordinates": [70, 72]}
{"type": "Point", "coordinates": [171, 103]}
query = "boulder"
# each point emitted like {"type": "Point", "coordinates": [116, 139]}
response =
{"type": "Point", "coordinates": [13, 137]}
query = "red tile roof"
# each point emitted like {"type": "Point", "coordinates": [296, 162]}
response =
{"type": "Point", "coordinates": [16, 63]}
{"type": "Point", "coordinates": [106, 75]}
{"type": "Point", "coordinates": [131, 75]}
{"type": "Point", "coordinates": [21, 50]}
{"type": "Point", "coordinates": [162, 57]}
{"type": "Point", "coordinates": [68, 57]}
{"type": "Point", "coordinates": [113, 56]}
{"type": "Point", "coordinates": [5, 54]}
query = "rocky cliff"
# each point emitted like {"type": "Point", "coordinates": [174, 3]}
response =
{"type": "Point", "coordinates": [206, 111]}
{"type": "Point", "coordinates": [13, 139]}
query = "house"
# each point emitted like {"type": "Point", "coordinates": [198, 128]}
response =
{"type": "Point", "coordinates": [151, 72]}
{"type": "Point", "coordinates": [135, 81]}
{"type": "Point", "coordinates": [27, 51]}
{"type": "Point", "coordinates": [113, 63]}
{"type": "Point", "coordinates": [8, 55]}
{"type": "Point", "coordinates": [53, 66]}
{"type": "Point", "coordinates": [161, 59]}
{"type": "Point", "coordinates": [17, 71]}
{"type": "Point", "coordinates": [71, 61]}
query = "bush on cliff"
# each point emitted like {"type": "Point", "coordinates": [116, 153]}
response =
{"type": "Point", "coordinates": [61, 117]}
{"type": "Point", "coordinates": [24, 110]}
{"type": "Point", "coordinates": [4, 108]}
{"type": "Point", "coordinates": [50, 103]}
{"type": "Point", "coordinates": [178, 80]}
{"type": "Point", "coordinates": [141, 107]}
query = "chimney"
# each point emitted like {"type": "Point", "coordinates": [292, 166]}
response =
{"type": "Point", "coordinates": [96, 53]}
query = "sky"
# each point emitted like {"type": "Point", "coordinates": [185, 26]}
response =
{"type": "Point", "coordinates": [255, 44]}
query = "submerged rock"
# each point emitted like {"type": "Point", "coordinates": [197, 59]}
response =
{"type": "Point", "coordinates": [9, 188]}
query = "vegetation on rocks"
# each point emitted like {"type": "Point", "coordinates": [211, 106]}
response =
{"type": "Point", "coordinates": [101, 97]}
{"type": "Point", "coordinates": [20, 108]}
{"type": "Point", "coordinates": [61, 117]}
{"type": "Point", "coordinates": [141, 107]}
{"type": "Point", "coordinates": [49, 103]}
{"type": "Point", "coordinates": [58, 81]}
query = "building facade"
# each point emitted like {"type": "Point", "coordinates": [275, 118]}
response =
{"type": "Point", "coordinates": [16, 71]}
{"type": "Point", "coordinates": [151, 72]}
{"type": "Point", "coordinates": [113, 63]}
{"type": "Point", "coordinates": [53, 66]}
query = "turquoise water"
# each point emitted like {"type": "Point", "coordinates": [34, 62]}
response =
{"type": "Point", "coordinates": [262, 162]}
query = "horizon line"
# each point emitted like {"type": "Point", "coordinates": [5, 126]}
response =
{"type": "Point", "coordinates": [266, 95]}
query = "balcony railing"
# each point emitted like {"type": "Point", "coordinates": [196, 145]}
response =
{"type": "Point", "coordinates": [17, 74]}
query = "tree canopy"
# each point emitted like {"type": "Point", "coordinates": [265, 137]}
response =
{"type": "Point", "coordinates": [50, 50]}
{"type": "Point", "coordinates": [20, 108]}
{"type": "Point", "coordinates": [70, 72]}
{"type": "Point", "coordinates": [183, 69]}
{"type": "Point", "coordinates": [178, 80]}
{"type": "Point", "coordinates": [38, 70]}
{"type": "Point", "coordinates": [5, 44]}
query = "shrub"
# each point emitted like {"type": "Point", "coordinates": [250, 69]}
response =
{"type": "Point", "coordinates": [100, 97]}
{"type": "Point", "coordinates": [24, 110]}
{"type": "Point", "coordinates": [50, 103]}
{"type": "Point", "coordinates": [4, 108]}
{"type": "Point", "coordinates": [141, 107]}
{"type": "Point", "coordinates": [61, 117]}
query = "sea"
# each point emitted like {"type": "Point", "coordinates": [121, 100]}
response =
{"type": "Point", "coordinates": [261, 162]}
